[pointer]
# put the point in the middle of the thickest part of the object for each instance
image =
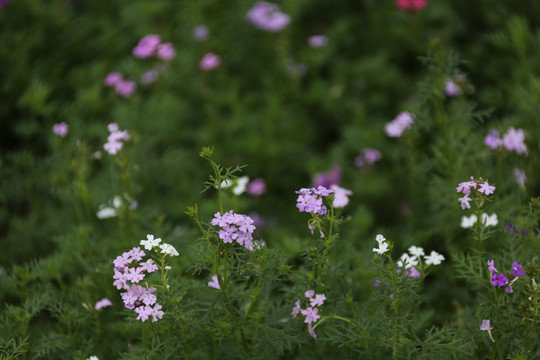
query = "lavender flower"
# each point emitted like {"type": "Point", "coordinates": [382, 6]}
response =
{"type": "Point", "coordinates": [209, 62]}
{"type": "Point", "coordinates": [316, 41]}
{"type": "Point", "coordinates": [400, 123]}
{"type": "Point", "coordinates": [310, 200]}
{"type": "Point", "coordinates": [267, 16]}
{"type": "Point", "coordinates": [60, 129]}
{"type": "Point", "coordinates": [200, 33]}
{"type": "Point", "coordinates": [235, 227]}
{"type": "Point", "coordinates": [147, 46]}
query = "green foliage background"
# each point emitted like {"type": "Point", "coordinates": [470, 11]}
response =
{"type": "Point", "coordinates": [256, 109]}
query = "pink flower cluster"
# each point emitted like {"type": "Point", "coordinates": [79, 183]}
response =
{"type": "Point", "coordinates": [114, 140]}
{"type": "Point", "coordinates": [209, 62]}
{"type": "Point", "coordinates": [499, 279]}
{"type": "Point", "coordinates": [267, 16]}
{"type": "Point", "coordinates": [129, 271]}
{"type": "Point", "coordinates": [237, 227]}
{"type": "Point", "coordinates": [411, 5]}
{"type": "Point", "coordinates": [316, 41]}
{"type": "Point", "coordinates": [151, 45]}
{"type": "Point", "coordinates": [401, 122]}
{"type": "Point", "coordinates": [513, 140]}
{"type": "Point", "coordinates": [124, 88]}
{"type": "Point", "coordinates": [256, 187]}
{"type": "Point", "coordinates": [310, 200]}
{"type": "Point", "coordinates": [367, 157]}
{"type": "Point", "coordinates": [60, 129]}
{"type": "Point", "coordinates": [312, 312]}
{"type": "Point", "coordinates": [481, 186]}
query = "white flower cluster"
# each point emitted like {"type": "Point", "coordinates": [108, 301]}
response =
{"type": "Point", "coordinates": [487, 220]}
{"type": "Point", "coordinates": [152, 242]}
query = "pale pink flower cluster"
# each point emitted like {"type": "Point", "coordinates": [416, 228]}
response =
{"type": "Point", "coordinates": [481, 186]}
{"type": "Point", "coordinates": [267, 16]}
{"type": "Point", "coordinates": [312, 312]}
{"type": "Point", "coordinates": [151, 45]}
{"type": "Point", "coordinates": [402, 122]}
{"type": "Point", "coordinates": [124, 88]}
{"type": "Point", "coordinates": [235, 227]}
{"type": "Point", "coordinates": [513, 140]}
{"type": "Point", "coordinates": [114, 140]}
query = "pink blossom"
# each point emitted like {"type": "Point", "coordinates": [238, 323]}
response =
{"type": "Point", "coordinates": [493, 139]}
{"type": "Point", "coordinates": [514, 140]}
{"type": "Point", "coordinates": [165, 51]}
{"type": "Point", "coordinates": [60, 129]}
{"type": "Point", "coordinates": [113, 78]}
{"type": "Point", "coordinates": [412, 5]}
{"type": "Point", "coordinates": [210, 61]}
{"type": "Point", "coordinates": [311, 314]}
{"type": "Point", "coordinates": [150, 76]}
{"type": "Point", "coordinates": [316, 41]}
{"type": "Point", "coordinates": [103, 303]}
{"type": "Point", "coordinates": [146, 46]}
{"type": "Point", "coordinates": [125, 88]}
{"type": "Point", "coordinates": [256, 187]}
{"type": "Point", "coordinates": [267, 16]}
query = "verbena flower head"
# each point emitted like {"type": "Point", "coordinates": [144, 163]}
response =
{"type": "Point", "coordinates": [267, 16]}
{"type": "Point", "coordinates": [147, 46]}
{"type": "Point", "coordinates": [310, 200]}
{"type": "Point", "coordinates": [256, 187]}
{"type": "Point", "coordinates": [235, 227]}
{"type": "Point", "coordinates": [517, 269]}
{"type": "Point", "coordinates": [311, 312]}
{"type": "Point", "coordinates": [209, 62]}
{"type": "Point", "coordinates": [411, 5]}
{"type": "Point", "coordinates": [316, 41]}
{"type": "Point", "coordinates": [466, 187]}
{"type": "Point", "coordinates": [60, 129]}
{"type": "Point", "coordinates": [125, 88]}
{"type": "Point", "coordinates": [402, 122]}
{"type": "Point", "coordinates": [341, 196]}
{"type": "Point", "coordinates": [513, 140]}
{"type": "Point", "coordinates": [165, 51]}
{"type": "Point", "coordinates": [200, 33]}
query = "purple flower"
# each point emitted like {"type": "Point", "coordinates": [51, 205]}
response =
{"type": "Point", "coordinates": [493, 139]}
{"type": "Point", "coordinates": [237, 227]}
{"type": "Point", "coordinates": [311, 331]}
{"type": "Point", "coordinates": [318, 300]}
{"type": "Point", "coordinates": [486, 326]}
{"type": "Point", "coordinates": [125, 88]}
{"type": "Point", "coordinates": [214, 283]}
{"type": "Point", "coordinates": [486, 188]}
{"type": "Point", "coordinates": [368, 157]}
{"type": "Point", "coordinates": [499, 280]}
{"type": "Point", "coordinates": [310, 200]}
{"type": "Point", "coordinates": [464, 201]}
{"type": "Point", "coordinates": [165, 51]}
{"type": "Point", "coordinates": [115, 138]}
{"type": "Point", "coordinates": [517, 269]}
{"type": "Point", "coordinates": [150, 76]}
{"type": "Point", "coordinates": [147, 46]}
{"type": "Point", "coordinates": [333, 177]}
{"type": "Point", "coordinates": [113, 78]}
{"type": "Point", "coordinates": [513, 140]}
{"type": "Point", "coordinates": [209, 62]}
{"type": "Point", "coordinates": [316, 41]}
{"type": "Point", "coordinates": [491, 266]}
{"type": "Point", "coordinates": [60, 129]}
{"type": "Point", "coordinates": [311, 314]}
{"type": "Point", "coordinates": [267, 16]}
{"type": "Point", "coordinates": [413, 272]}
{"type": "Point", "coordinates": [296, 309]}
{"type": "Point", "coordinates": [400, 123]}
{"type": "Point", "coordinates": [103, 303]}
{"type": "Point", "coordinates": [451, 89]}
{"type": "Point", "coordinates": [200, 33]}
{"type": "Point", "coordinates": [256, 187]}
{"type": "Point", "coordinates": [309, 293]}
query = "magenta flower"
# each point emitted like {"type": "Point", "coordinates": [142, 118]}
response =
{"type": "Point", "coordinates": [209, 62]}
{"type": "Point", "coordinates": [113, 78]}
{"type": "Point", "coordinates": [165, 51]}
{"type": "Point", "coordinates": [517, 269]}
{"type": "Point", "coordinates": [147, 46]}
{"type": "Point", "coordinates": [237, 227]}
{"type": "Point", "coordinates": [200, 33]}
{"type": "Point", "coordinates": [499, 280]}
{"type": "Point", "coordinates": [493, 139]}
{"type": "Point", "coordinates": [60, 129]}
{"type": "Point", "coordinates": [125, 88]}
{"type": "Point", "coordinates": [256, 187]}
{"type": "Point", "coordinates": [401, 122]}
{"type": "Point", "coordinates": [316, 41]}
{"type": "Point", "coordinates": [267, 16]}
{"type": "Point", "coordinates": [411, 5]}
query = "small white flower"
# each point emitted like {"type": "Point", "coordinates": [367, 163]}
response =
{"type": "Point", "coordinates": [168, 249]}
{"type": "Point", "coordinates": [93, 358]}
{"type": "Point", "coordinates": [468, 222]}
{"type": "Point", "coordinates": [407, 261]}
{"type": "Point", "coordinates": [117, 202]}
{"type": "Point", "coordinates": [226, 183]}
{"type": "Point", "coordinates": [150, 242]}
{"type": "Point", "coordinates": [416, 251]}
{"type": "Point", "coordinates": [241, 184]}
{"type": "Point", "coordinates": [434, 258]}
{"type": "Point", "coordinates": [106, 212]}
{"type": "Point", "coordinates": [489, 220]}
{"type": "Point", "coordinates": [383, 247]}
{"type": "Point", "coordinates": [380, 238]}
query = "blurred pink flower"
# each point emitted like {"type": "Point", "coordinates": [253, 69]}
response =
{"type": "Point", "coordinates": [147, 46]}
{"type": "Point", "coordinates": [210, 61]}
{"type": "Point", "coordinates": [60, 129]}
{"type": "Point", "coordinates": [267, 16]}
{"type": "Point", "coordinates": [113, 78]}
{"type": "Point", "coordinates": [200, 33]}
{"type": "Point", "coordinates": [125, 88]}
{"type": "Point", "coordinates": [368, 157]}
{"type": "Point", "coordinates": [412, 5]}
{"type": "Point", "coordinates": [256, 187]}
{"type": "Point", "coordinates": [150, 76]}
{"type": "Point", "coordinates": [333, 177]}
{"type": "Point", "coordinates": [165, 51]}
{"type": "Point", "coordinates": [316, 41]}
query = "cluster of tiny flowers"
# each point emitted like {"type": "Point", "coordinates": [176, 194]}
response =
{"type": "Point", "coordinates": [310, 200]}
{"type": "Point", "coordinates": [124, 88]}
{"type": "Point", "coordinates": [499, 279]}
{"type": "Point", "coordinates": [487, 220]}
{"type": "Point", "coordinates": [60, 129]}
{"type": "Point", "coordinates": [311, 313]}
{"type": "Point", "coordinates": [402, 122]}
{"type": "Point", "coordinates": [409, 261]}
{"type": "Point", "coordinates": [513, 229]}
{"type": "Point", "coordinates": [115, 138]}
{"type": "Point", "coordinates": [367, 157]}
{"type": "Point", "coordinates": [411, 5]}
{"type": "Point", "coordinates": [209, 62]}
{"type": "Point", "coordinates": [267, 16]}
{"type": "Point", "coordinates": [151, 45]}
{"type": "Point", "coordinates": [129, 271]}
{"type": "Point", "coordinates": [316, 41]}
{"type": "Point", "coordinates": [235, 227]}
{"type": "Point", "coordinates": [465, 188]}
{"type": "Point", "coordinates": [513, 140]}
